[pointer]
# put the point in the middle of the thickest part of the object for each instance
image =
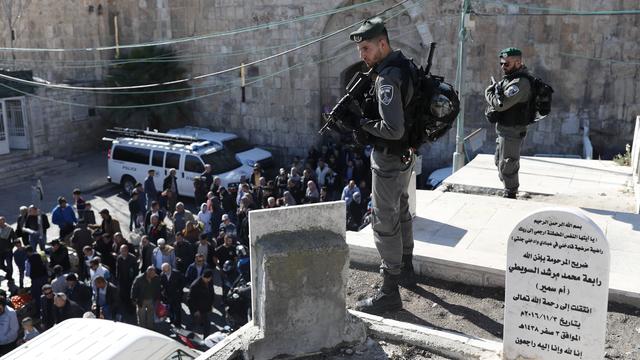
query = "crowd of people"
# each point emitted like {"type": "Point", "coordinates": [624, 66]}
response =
{"type": "Point", "coordinates": [91, 269]}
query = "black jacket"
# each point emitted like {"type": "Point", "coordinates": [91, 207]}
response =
{"type": "Point", "coordinates": [70, 310]}
{"type": "Point", "coordinates": [60, 257]}
{"type": "Point", "coordinates": [126, 270]}
{"type": "Point", "coordinates": [172, 289]}
{"type": "Point", "coordinates": [200, 296]}
{"type": "Point", "coordinates": [81, 294]}
{"type": "Point", "coordinates": [166, 184]}
{"type": "Point", "coordinates": [146, 256]}
{"type": "Point", "coordinates": [112, 299]}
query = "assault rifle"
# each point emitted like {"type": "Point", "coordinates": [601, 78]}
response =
{"type": "Point", "coordinates": [359, 84]}
{"type": "Point", "coordinates": [498, 90]}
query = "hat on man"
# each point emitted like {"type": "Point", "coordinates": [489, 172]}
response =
{"type": "Point", "coordinates": [55, 242]}
{"type": "Point", "coordinates": [77, 191]}
{"type": "Point", "coordinates": [369, 29]}
{"type": "Point", "coordinates": [104, 211]}
{"type": "Point", "coordinates": [510, 51]}
{"type": "Point", "coordinates": [61, 199]}
{"type": "Point", "coordinates": [225, 217]}
{"type": "Point", "coordinates": [71, 277]}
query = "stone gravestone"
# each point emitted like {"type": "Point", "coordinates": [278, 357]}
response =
{"type": "Point", "coordinates": [557, 287]}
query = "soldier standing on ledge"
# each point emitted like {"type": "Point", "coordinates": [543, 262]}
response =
{"type": "Point", "coordinates": [392, 160]}
{"type": "Point", "coordinates": [508, 106]}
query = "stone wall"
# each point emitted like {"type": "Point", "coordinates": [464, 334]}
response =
{"type": "Point", "coordinates": [587, 59]}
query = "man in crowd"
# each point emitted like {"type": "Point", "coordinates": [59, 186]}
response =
{"type": "Point", "coordinates": [78, 292]}
{"type": "Point", "coordinates": [59, 256]}
{"type": "Point", "coordinates": [126, 272]}
{"type": "Point", "coordinates": [106, 299]}
{"type": "Point", "coordinates": [200, 300]}
{"type": "Point", "coordinates": [172, 285]}
{"type": "Point", "coordinates": [46, 307]}
{"type": "Point", "coordinates": [64, 216]}
{"type": "Point", "coordinates": [65, 309]}
{"type": "Point", "coordinates": [150, 188]}
{"type": "Point", "coordinates": [37, 271]}
{"type": "Point", "coordinates": [7, 237]}
{"type": "Point", "coordinates": [181, 217]}
{"type": "Point", "coordinates": [8, 328]}
{"type": "Point", "coordinates": [163, 253]}
{"type": "Point", "coordinates": [170, 190]}
{"type": "Point", "coordinates": [144, 292]}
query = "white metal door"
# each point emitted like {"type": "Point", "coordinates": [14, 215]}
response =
{"type": "Point", "coordinates": [17, 121]}
{"type": "Point", "coordinates": [4, 137]}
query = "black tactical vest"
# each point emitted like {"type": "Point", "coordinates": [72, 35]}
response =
{"type": "Point", "coordinates": [519, 114]}
{"type": "Point", "coordinates": [370, 110]}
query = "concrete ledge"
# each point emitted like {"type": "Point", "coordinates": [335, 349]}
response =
{"type": "Point", "coordinates": [449, 344]}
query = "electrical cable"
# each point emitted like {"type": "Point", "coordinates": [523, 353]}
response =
{"type": "Point", "coordinates": [201, 37]}
{"type": "Point", "coordinates": [237, 81]}
{"type": "Point", "coordinates": [234, 68]}
{"type": "Point", "coordinates": [551, 11]}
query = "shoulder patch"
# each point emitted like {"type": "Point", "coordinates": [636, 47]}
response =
{"type": "Point", "coordinates": [512, 90]}
{"type": "Point", "coordinates": [385, 94]}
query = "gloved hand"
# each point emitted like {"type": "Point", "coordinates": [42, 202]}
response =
{"type": "Point", "coordinates": [347, 116]}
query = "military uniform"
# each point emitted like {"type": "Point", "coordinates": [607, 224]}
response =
{"type": "Point", "coordinates": [392, 162]}
{"type": "Point", "coordinates": [391, 220]}
{"type": "Point", "coordinates": [512, 112]}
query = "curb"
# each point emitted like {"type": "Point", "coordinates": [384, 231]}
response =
{"type": "Point", "coordinates": [448, 344]}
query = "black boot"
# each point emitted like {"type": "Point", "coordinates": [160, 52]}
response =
{"type": "Point", "coordinates": [510, 194]}
{"type": "Point", "coordinates": [407, 275]}
{"type": "Point", "coordinates": [387, 299]}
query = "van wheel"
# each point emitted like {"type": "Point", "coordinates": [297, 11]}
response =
{"type": "Point", "coordinates": [128, 183]}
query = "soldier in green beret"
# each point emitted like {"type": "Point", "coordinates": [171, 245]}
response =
{"type": "Point", "coordinates": [392, 160]}
{"type": "Point", "coordinates": [509, 102]}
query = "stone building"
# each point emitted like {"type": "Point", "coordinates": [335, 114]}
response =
{"type": "Point", "coordinates": [591, 61]}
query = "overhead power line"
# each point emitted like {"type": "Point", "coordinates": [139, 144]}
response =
{"type": "Point", "coordinates": [547, 11]}
{"type": "Point", "coordinates": [234, 68]}
{"type": "Point", "coordinates": [234, 83]}
{"type": "Point", "coordinates": [201, 37]}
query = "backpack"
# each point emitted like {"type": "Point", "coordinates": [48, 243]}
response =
{"type": "Point", "coordinates": [432, 109]}
{"type": "Point", "coordinates": [541, 96]}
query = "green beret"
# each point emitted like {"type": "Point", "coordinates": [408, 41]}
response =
{"type": "Point", "coordinates": [369, 29]}
{"type": "Point", "coordinates": [510, 51]}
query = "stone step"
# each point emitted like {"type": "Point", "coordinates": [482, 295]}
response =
{"type": "Point", "coordinates": [27, 174]}
{"type": "Point", "coordinates": [14, 157]}
{"type": "Point", "coordinates": [27, 163]}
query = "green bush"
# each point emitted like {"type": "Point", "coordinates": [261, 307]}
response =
{"type": "Point", "coordinates": [624, 159]}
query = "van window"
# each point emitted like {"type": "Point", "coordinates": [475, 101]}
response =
{"type": "Point", "coordinates": [221, 161]}
{"type": "Point", "coordinates": [157, 158]}
{"type": "Point", "coordinates": [131, 154]}
{"type": "Point", "coordinates": [193, 164]}
{"type": "Point", "coordinates": [237, 145]}
{"type": "Point", "coordinates": [172, 161]}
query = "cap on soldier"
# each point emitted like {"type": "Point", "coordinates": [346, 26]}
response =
{"type": "Point", "coordinates": [510, 51]}
{"type": "Point", "coordinates": [369, 29]}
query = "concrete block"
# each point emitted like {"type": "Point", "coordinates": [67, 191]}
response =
{"type": "Point", "coordinates": [298, 270]}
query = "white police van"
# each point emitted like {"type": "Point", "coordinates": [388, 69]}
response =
{"type": "Point", "coordinates": [98, 339]}
{"type": "Point", "coordinates": [246, 153]}
{"type": "Point", "coordinates": [134, 152]}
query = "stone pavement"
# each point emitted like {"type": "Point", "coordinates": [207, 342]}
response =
{"type": "Point", "coordinates": [587, 183]}
{"type": "Point", "coordinates": [463, 238]}
{"type": "Point", "coordinates": [90, 175]}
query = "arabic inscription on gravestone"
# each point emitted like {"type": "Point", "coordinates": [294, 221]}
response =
{"type": "Point", "coordinates": [557, 286]}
